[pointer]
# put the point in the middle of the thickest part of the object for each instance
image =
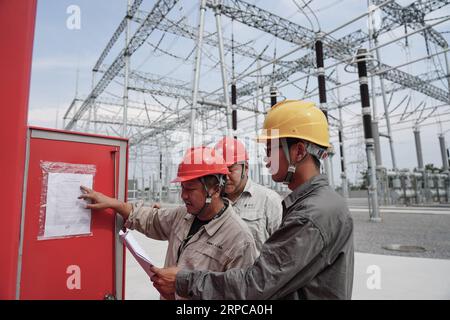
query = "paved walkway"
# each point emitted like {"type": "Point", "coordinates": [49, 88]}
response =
{"type": "Point", "coordinates": [400, 278]}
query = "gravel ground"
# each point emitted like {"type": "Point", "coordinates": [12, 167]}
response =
{"type": "Point", "coordinates": [429, 231]}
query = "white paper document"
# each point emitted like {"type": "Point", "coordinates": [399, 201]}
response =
{"type": "Point", "coordinates": [137, 251]}
{"type": "Point", "coordinates": [65, 214]}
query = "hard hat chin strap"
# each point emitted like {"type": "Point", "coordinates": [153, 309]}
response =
{"type": "Point", "coordinates": [292, 166]}
{"type": "Point", "coordinates": [221, 183]}
{"type": "Point", "coordinates": [208, 197]}
{"type": "Point", "coordinates": [242, 173]}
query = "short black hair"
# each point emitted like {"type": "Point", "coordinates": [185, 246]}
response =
{"type": "Point", "coordinates": [212, 180]}
{"type": "Point", "coordinates": [291, 141]}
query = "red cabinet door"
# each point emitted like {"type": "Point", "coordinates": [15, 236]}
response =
{"type": "Point", "coordinates": [82, 267]}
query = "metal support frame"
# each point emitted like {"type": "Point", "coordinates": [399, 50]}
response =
{"type": "Point", "coordinates": [421, 168]}
{"type": "Point", "coordinates": [250, 15]}
{"type": "Point", "coordinates": [443, 146]}
{"type": "Point", "coordinates": [376, 135]}
{"type": "Point", "coordinates": [374, 210]}
{"type": "Point", "coordinates": [340, 49]}
{"type": "Point", "coordinates": [159, 11]}
{"type": "Point", "coordinates": [198, 57]}
{"type": "Point", "coordinates": [234, 109]}
{"type": "Point", "coordinates": [126, 71]}
{"type": "Point", "coordinates": [217, 13]}
{"type": "Point", "coordinates": [444, 157]}
{"type": "Point", "coordinates": [344, 181]}
{"type": "Point", "coordinates": [386, 111]}
{"type": "Point", "coordinates": [323, 97]}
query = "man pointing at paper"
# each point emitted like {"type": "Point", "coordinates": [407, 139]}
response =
{"type": "Point", "coordinates": [205, 234]}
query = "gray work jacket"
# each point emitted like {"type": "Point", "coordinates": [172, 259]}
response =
{"type": "Point", "coordinates": [309, 257]}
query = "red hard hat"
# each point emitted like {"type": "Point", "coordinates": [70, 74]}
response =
{"type": "Point", "coordinates": [232, 150]}
{"type": "Point", "coordinates": [199, 162]}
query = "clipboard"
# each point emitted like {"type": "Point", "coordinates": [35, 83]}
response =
{"type": "Point", "coordinates": [137, 251]}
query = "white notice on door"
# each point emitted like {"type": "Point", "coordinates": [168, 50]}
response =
{"type": "Point", "coordinates": [65, 214]}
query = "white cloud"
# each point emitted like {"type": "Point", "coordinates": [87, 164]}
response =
{"type": "Point", "coordinates": [49, 117]}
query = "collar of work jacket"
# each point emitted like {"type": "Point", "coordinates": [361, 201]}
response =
{"type": "Point", "coordinates": [303, 190]}
{"type": "Point", "coordinates": [249, 188]}
{"type": "Point", "coordinates": [216, 222]}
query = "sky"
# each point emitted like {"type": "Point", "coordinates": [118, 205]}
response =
{"type": "Point", "coordinates": [63, 57]}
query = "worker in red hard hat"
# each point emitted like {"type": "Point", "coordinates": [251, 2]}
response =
{"type": "Point", "coordinates": [257, 205]}
{"type": "Point", "coordinates": [205, 234]}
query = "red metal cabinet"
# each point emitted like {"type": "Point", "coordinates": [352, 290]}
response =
{"type": "Point", "coordinates": [44, 266]}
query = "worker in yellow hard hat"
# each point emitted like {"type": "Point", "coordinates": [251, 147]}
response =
{"type": "Point", "coordinates": [311, 254]}
{"type": "Point", "coordinates": [293, 123]}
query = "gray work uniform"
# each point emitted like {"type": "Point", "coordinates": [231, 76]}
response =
{"type": "Point", "coordinates": [224, 243]}
{"type": "Point", "coordinates": [309, 257]}
{"type": "Point", "coordinates": [261, 209]}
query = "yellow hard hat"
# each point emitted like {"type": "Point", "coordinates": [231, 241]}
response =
{"type": "Point", "coordinates": [296, 119]}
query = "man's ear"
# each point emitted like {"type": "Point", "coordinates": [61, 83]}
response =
{"type": "Point", "coordinates": [216, 191]}
{"type": "Point", "coordinates": [299, 151]}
